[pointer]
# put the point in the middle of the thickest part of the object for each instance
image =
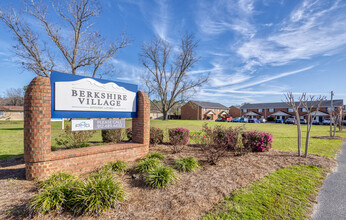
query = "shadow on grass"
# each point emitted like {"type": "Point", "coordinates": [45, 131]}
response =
{"type": "Point", "coordinates": [12, 129]}
{"type": "Point", "coordinates": [12, 159]}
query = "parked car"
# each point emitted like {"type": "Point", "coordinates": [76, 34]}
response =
{"type": "Point", "coordinates": [344, 122]}
{"type": "Point", "coordinates": [302, 121]}
{"type": "Point", "coordinates": [262, 120]}
{"type": "Point", "coordinates": [227, 119]}
{"type": "Point", "coordinates": [326, 121]}
{"type": "Point", "coordinates": [290, 121]}
{"type": "Point", "coordinates": [218, 119]}
{"type": "Point", "coordinates": [236, 119]}
{"type": "Point", "coordinates": [254, 120]}
{"type": "Point", "coordinates": [279, 121]}
{"type": "Point", "coordinates": [315, 122]}
{"type": "Point", "coordinates": [244, 120]}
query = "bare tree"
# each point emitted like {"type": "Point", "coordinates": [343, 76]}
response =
{"type": "Point", "coordinates": [290, 101]}
{"type": "Point", "coordinates": [71, 36]}
{"type": "Point", "coordinates": [331, 113]}
{"type": "Point", "coordinates": [167, 77]}
{"type": "Point", "coordinates": [14, 97]}
{"type": "Point", "coordinates": [310, 103]}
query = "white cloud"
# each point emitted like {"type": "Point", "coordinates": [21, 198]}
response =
{"type": "Point", "coordinates": [312, 29]}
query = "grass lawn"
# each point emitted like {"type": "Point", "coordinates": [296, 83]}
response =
{"type": "Point", "coordinates": [11, 135]}
{"type": "Point", "coordinates": [284, 194]}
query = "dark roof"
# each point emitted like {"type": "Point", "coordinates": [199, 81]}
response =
{"type": "Point", "coordinates": [327, 103]}
{"type": "Point", "coordinates": [12, 108]}
{"type": "Point", "coordinates": [209, 105]}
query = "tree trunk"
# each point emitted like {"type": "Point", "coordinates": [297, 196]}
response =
{"type": "Point", "coordinates": [308, 136]}
{"type": "Point", "coordinates": [299, 135]}
{"type": "Point", "coordinates": [165, 115]}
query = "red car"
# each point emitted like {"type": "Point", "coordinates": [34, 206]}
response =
{"type": "Point", "coordinates": [229, 119]}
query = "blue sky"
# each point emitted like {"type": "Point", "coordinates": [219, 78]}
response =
{"type": "Point", "coordinates": [255, 51]}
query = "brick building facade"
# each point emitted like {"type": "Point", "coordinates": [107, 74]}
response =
{"type": "Point", "coordinates": [281, 110]}
{"type": "Point", "coordinates": [234, 111]}
{"type": "Point", "coordinates": [196, 110]}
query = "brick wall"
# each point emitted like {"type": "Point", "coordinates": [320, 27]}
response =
{"type": "Point", "coordinates": [234, 112]}
{"type": "Point", "coordinates": [191, 111]}
{"type": "Point", "coordinates": [40, 162]}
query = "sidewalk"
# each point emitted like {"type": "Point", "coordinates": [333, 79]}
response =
{"type": "Point", "coordinates": [332, 197]}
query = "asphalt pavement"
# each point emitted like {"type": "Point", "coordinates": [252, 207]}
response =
{"type": "Point", "coordinates": [332, 197]}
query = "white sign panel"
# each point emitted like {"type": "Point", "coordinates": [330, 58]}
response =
{"type": "Point", "coordinates": [82, 125]}
{"type": "Point", "coordinates": [89, 95]}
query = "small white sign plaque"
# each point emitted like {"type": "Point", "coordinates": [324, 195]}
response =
{"type": "Point", "coordinates": [82, 125]}
{"type": "Point", "coordinates": [90, 95]}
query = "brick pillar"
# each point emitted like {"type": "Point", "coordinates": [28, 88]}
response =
{"type": "Point", "coordinates": [37, 137]}
{"type": "Point", "coordinates": [141, 124]}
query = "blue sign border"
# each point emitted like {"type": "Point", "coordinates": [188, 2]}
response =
{"type": "Point", "coordinates": [65, 77]}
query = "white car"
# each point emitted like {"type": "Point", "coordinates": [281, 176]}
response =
{"type": "Point", "coordinates": [326, 121]}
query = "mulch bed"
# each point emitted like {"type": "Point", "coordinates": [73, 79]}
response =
{"type": "Point", "coordinates": [190, 198]}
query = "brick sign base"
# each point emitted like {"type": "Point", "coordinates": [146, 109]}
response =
{"type": "Point", "coordinates": [40, 161]}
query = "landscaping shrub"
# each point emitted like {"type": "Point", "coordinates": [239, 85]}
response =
{"type": "Point", "coordinates": [118, 166]}
{"type": "Point", "coordinates": [160, 177]}
{"type": "Point", "coordinates": [74, 139]}
{"type": "Point", "coordinates": [55, 194]}
{"type": "Point", "coordinates": [98, 193]}
{"type": "Point", "coordinates": [156, 136]}
{"type": "Point", "coordinates": [186, 164]}
{"type": "Point", "coordinates": [257, 141]}
{"type": "Point", "coordinates": [178, 138]}
{"type": "Point", "coordinates": [111, 135]}
{"type": "Point", "coordinates": [148, 164]}
{"type": "Point", "coordinates": [155, 155]}
{"type": "Point", "coordinates": [128, 133]}
{"type": "Point", "coordinates": [61, 191]}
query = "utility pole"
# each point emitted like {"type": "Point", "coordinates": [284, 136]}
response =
{"type": "Point", "coordinates": [331, 113]}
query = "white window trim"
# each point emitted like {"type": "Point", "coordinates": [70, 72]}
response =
{"type": "Point", "coordinates": [271, 110]}
{"type": "Point", "coordinates": [244, 110]}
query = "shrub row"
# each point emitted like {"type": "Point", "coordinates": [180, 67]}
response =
{"type": "Point", "coordinates": [215, 142]}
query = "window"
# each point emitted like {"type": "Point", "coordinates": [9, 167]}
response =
{"type": "Point", "coordinates": [213, 109]}
{"type": "Point", "coordinates": [204, 109]}
{"type": "Point", "coordinates": [271, 110]}
{"type": "Point", "coordinates": [329, 108]}
{"type": "Point", "coordinates": [244, 110]}
{"type": "Point", "coordinates": [2, 112]}
{"type": "Point", "coordinates": [218, 109]}
{"type": "Point", "coordinates": [290, 110]}
{"type": "Point", "coordinates": [260, 110]}
{"type": "Point", "coordinates": [303, 110]}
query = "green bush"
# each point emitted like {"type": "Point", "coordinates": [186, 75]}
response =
{"type": "Point", "coordinates": [160, 177]}
{"type": "Point", "coordinates": [61, 191]}
{"type": "Point", "coordinates": [148, 164]}
{"type": "Point", "coordinates": [186, 164]}
{"type": "Point", "coordinates": [112, 135]}
{"type": "Point", "coordinates": [155, 155]}
{"type": "Point", "coordinates": [128, 133]}
{"type": "Point", "coordinates": [74, 139]}
{"type": "Point", "coordinates": [55, 193]}
{"type": "Point", "coordinates": [119, 166]}
{"type": "Point", "coordinates": [97, 194]}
